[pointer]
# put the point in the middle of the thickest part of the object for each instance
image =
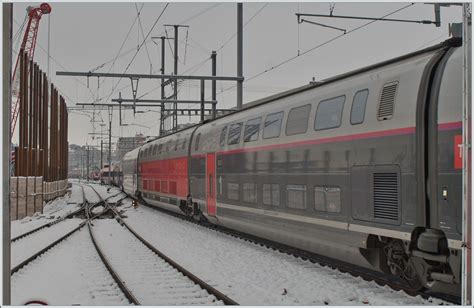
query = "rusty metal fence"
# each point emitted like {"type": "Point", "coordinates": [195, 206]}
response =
{"type": "Point", "coordinates": [42, 154]}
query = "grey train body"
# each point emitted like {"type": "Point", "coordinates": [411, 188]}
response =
{"type": "Point", "coordinates": [360, 167]}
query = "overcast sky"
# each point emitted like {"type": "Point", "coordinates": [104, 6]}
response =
{"type": "Point", "coordinates": [84, 36]}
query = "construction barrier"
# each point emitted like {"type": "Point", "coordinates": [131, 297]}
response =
{"type": "Point", "coordinates": [28, 194]}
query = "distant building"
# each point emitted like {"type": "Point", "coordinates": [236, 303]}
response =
{"type": "Point", "coordinates": [126, 144]}
{"type": "Point", "coordinates": [78, 160]}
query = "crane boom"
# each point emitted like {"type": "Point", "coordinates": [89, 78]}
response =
{"type": "Point", "coordinates": [28, 45]}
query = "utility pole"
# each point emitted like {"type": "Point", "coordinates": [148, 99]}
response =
{"type": "Point", "coordinates": [175, 83]}
{"type": "Point", "coordinates": [214, 72]}
{"type": "Point", "coordinates": [101, 155]}
{"type": "Point", "coordinates": [7, 101]}
{"type": "Point", "coordinates": [82, 164]}
{"type": "Point", "coordinates": [162, 119]}
{"type": "Point", "coordinates": [87, 162]}
{"type": "Point", "coordinates": [175, 106]}
{"type": "Point", "coordinates": [110, 140]}
{"type": "Point", "coordinates": [239, 54]}
{"type": "Point", "coordinates": [101, 146]}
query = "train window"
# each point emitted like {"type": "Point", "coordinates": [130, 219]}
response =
{"type": "Point", "coordinates": [327, 199]}
{"type": "Point", "coordinates": [250, 192]}
{"type": "Point", "coordinates": [271, 194]}
{"type": "Point", "coordinates": [160, 148]}
{"type": "Point", "coordinates": [234, 133]}
{"type": "Point", "coordinates": [233, 191]}
{"type": "Point", "coordinates": [358, 106]}
{"type": "Point", "coordinates": [272, 125]}
{"type": "Point", "coordinates": [176, 145]}
{"type": "Point", "coordinates": [329, 113]}
{"type": "Point", "coordinates": [184, 144]}
{"type": "Point", "coordinates": [296, 196]}
{"type": "Point", "coordinates": [297, 122]}
{"type": "Point", "coordinates": [252, 127]}
{"type": "Point", "coordinates": [154, 150]}
{"type": "Point", "coordinates": [223, 134]}
{"type": "Point", "coordinates": [196, 144]}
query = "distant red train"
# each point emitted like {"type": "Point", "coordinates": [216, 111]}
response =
{"type": "Point", "coordinates": [112, 175]}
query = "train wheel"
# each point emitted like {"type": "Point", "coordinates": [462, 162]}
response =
{"type": "Point", "coordinates": [401, 265]}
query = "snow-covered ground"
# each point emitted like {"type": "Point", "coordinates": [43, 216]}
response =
{"type": "Point", "coordinates": [106, 191]}
{"type": "Point", "coordinates": [31, 244]}
{"type": "Point", "coordinates": [72, 272]}
{"type": "Point", "coordinates": [68, 274]}
{"type": "Point", "coordinates": [52, 211]}
{"type": "Point", "coordinates": [149, 278]}
{"type": "Point", "coordinates": [255, 275]}
{"type": "Point", "coordinates": [90, 194]}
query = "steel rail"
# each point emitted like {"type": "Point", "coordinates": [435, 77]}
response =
{"type": "Point", "coordinates": [341, 266]}
{"type": "Point", "coordinates": [42, 251]}
{"type": "Point", "coordinates": [72, 214]}
{"type": "Point", "coordinates": [120, 282]}
{"type": "Point", "coordinates": [48, 247]}
{"type": "Point", "coordinates": [211, 290]}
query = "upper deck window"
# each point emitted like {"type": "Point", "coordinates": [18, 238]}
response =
{"type": "Point", "coordinates": [223, 134]}
{"type": "Point", "coordinates": [329, 113]}
{"type": "Point", "coordinates": [272, 125]}
{"type": "Point", "coordinates": [297, 122]}
{"type": "Point", "coordinates": [358, 106]}
{"type": "Point", "coordinates": [234, 133]}
{"type": "Point", "coordinates": [252, 128]}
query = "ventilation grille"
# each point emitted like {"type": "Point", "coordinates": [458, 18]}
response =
{"type": "Point", "coordinates": [386, 196]}
{"type": "Point", "coordinates": [387, 101]}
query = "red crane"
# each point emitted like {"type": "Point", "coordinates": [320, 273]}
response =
{"type": "Point", "coordinates": [28, 45]}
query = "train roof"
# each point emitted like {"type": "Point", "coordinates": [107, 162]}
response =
{"type": "Point", "coordinates": [133, 154]}
{"type": "Point", "coordinates": [452, 42]}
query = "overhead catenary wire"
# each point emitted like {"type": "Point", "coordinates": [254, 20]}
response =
{"type": "Point", "coordinates": [143, 34]}
{"type": "Point", "coordinates": [197, 65]}
{"type": "Point", "coordinates": [317, 47]}
{"type": "Point", "coordinates": [139, 47]}
{"type": "Point", "coordinates": [60, 65]}
{"type": "Point", "coordinates": [245, 24]}
{"type": "Point", "coordinates": [187, 20]}
{"type": "Point", "coordinates": [120, 49]}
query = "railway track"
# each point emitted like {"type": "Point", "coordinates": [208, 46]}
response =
{"type": "Point", "coordinates": [366, 274]}
{"type": "Point", "coordinates": [32, 257]}
{"type": "Point", "coordinates": [70, 215]}
{"type": "Point", "coordinates": [49, 230]}
{"type": "Point", "coordinates": [161, 281]}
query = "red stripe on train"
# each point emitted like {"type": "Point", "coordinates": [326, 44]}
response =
{"type": "Point", "coordinates": [450, 125]}
{"type": "Point", "coordinates": [385, 133]}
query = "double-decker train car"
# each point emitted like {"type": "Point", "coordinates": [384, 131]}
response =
{"type": "Point", "coordinates": [107, 175]}
{"type": "Point", "coordinates": [117, 175]}
{"type": "Point", "coordinates": [130, 172]}
{"type": "Point", "coordinates": [363, 167]}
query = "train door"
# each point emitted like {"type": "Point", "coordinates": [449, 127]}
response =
{"type": "Point", "coordinates": [211, 183]}
{"type": "Point", "coordinates": [445, 136]}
